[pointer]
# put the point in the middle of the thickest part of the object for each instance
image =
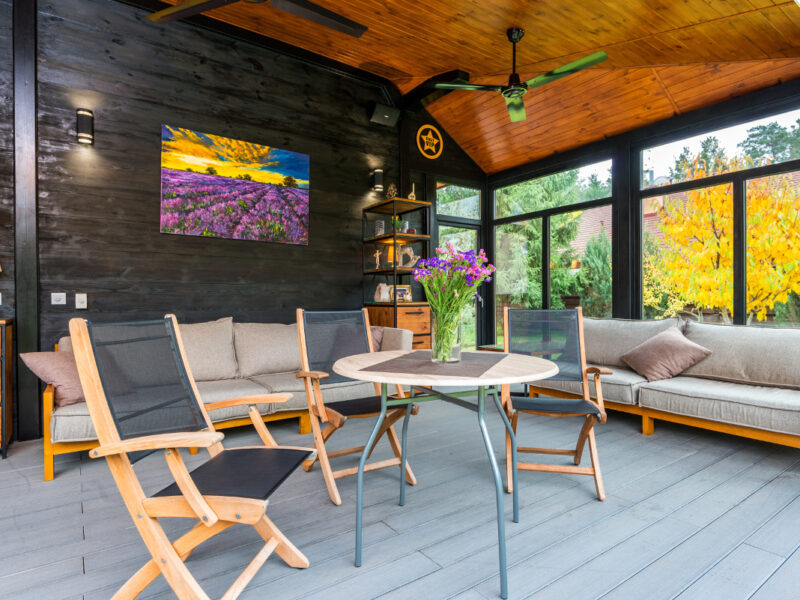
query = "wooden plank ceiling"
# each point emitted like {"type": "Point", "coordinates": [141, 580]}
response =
{"type": "Point", "coordinates": [665, 57]}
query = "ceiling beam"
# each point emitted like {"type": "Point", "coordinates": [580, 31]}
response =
{"type": "Point", "coordinates": [425, 93]}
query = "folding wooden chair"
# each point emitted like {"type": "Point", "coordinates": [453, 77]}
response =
{"type": "Point", "coordinates": [142, 397]}
{"type": "Point", "coordinates": [325, 337]}
{"type": "Point", "coordinates": [556, 335]}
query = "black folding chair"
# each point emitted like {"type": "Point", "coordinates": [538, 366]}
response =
{"type": "Point", "coordinates": [556, 335]}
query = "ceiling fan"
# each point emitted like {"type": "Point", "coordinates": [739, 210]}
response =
{"type": "Point", "coordinates": [300, 8]}
{"type": "Point", "coordinates": [515, 90]}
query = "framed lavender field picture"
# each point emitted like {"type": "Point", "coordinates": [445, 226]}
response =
{"type": "Point", "coordinates": [214, 186]}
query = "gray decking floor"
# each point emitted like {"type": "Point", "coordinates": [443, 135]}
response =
{"type": "Point", "coordinates": [689, 514]}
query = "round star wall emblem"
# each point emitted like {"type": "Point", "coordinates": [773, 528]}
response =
{"type": "Point", "coordinates": [429, 141]}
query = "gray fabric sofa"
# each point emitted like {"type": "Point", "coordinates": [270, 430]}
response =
{"type": "Point", "coordinates": [227, 360]}
{"type": "Point", "coordinates": [749, 385]}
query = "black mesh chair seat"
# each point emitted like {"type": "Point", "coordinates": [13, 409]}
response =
{"type": "Point", "coordinates": [243, 473]}
{"type": "Point", "coordinates": [555, 405]}
{"type": "Point", "coordinates": [356, 406]}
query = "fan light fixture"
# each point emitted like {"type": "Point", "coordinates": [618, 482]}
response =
{"type": "Point", "coordinates": [376, 180]}
{"type": "Point", "coordinates": [85, 127]}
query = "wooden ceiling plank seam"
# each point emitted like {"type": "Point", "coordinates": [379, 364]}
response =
{"type": "Point", "coordinates": [666, 91]}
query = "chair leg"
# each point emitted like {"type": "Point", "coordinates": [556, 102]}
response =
{"type": "Point", "coordinates": [285, 549]}
{"type": "Point", "coordinates": [324, 463]}
{"type": "Point", "coordinates": [509, 458]}
{"type": "Point", "coordinates": [308, 465]}
{"type": "Point", "coordinates": [394, 442]}
{"type": "Point", "coordinates": [598, 478]}
{"type": "Point", "coordinates": [587, 427]}
{"type": "Point", "coordinates": [391, 419]}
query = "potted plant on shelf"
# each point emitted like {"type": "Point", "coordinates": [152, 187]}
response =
{"type": "Point", "coordinates": [450, 281]}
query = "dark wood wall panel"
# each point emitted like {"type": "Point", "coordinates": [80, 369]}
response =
{"type": "Point", "coordinates": [99, 205]}
{"type": "Point", "coordinates": [6, 161]}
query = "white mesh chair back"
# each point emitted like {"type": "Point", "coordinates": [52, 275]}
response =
{"type": "Point", "coordinates": [331, 335]}
{"type": "Point", "coordinates": [549, 334]}
{"type": "Point", "coordinates": [144, 378]}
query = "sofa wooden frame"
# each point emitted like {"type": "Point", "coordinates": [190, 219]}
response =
{"type": "Point", "coordinates": [53, 449]}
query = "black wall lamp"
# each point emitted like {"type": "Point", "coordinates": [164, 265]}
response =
{"type": "Point", "coordinates": [376, 180]}
{"type": "Point", "coordinates": [85, 128]}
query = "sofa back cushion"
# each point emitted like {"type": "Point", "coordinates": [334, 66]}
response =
{"type": "Point", "coordinates": [608, 339]}
{"type": "Point", "coordinates": [266, 348]}
{"type": "Point", "coordinates": [753, 355]}
{"type": "Point", "coordinates": [209, 349]}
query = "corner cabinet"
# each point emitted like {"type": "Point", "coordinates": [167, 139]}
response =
{"type": "Point", "coordinates": [396, 237]}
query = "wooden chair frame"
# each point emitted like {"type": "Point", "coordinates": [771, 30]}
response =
{"type": "Point", "coordinates": [587, 430]}
{"type": "Point", "coordinates": [215, 514]}
{"type": "Point", "coordinates": [319, 413]}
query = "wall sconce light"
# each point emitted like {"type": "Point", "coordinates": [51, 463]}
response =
{"type": "Point", "coordinates": [85, 128]}
{"type": "Point", "coordinates": [376, 180]}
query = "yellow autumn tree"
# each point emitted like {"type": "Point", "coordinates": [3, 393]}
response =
{"type": "Point", "coordinates": [690, 268]}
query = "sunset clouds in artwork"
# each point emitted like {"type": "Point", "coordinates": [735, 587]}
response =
{"type": "Point", "coordinates": [215, 186]}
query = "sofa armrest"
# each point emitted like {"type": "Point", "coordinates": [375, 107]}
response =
{"type": "Point", "coordinates": [396, 339]}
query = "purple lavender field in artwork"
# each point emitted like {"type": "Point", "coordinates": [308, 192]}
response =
{"type": "Point", "coordinates": [214, 206]}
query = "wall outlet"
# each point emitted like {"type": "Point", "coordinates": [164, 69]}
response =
{"type": "Point", "coordinates": [58, 298]}
{"type": "Point", "coordinates": [81, 301]}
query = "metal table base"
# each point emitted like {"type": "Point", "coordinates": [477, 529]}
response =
{"type": "Point", "coordinates": [455, 398]}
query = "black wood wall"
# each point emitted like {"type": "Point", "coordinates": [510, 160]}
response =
{"type": "Point", "coordinates": [6, 162]}
{"type": "Point", "coordinates": [99, 205]}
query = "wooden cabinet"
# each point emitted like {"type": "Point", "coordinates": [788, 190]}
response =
{"type": "Point", "coordinates": [415, 316]}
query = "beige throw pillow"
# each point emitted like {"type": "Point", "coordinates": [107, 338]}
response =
{"type": "Point", "coordinates": [59, 370]}
{"type": "Point", "coordinates": [665, 355]}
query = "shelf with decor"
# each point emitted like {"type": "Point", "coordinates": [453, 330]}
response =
{"type": "Point", "coordinates": [391, 248]}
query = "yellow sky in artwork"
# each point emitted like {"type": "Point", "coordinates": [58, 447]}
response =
{"type": "Point", "coordinates": [230, 158]}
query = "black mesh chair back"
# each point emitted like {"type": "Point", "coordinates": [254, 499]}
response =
{"type": "Point", "coordinates": [144, 379]}
{"type": "Point", "coordinates": [331, 335]}
{"type": "Point", "coordinates": [549, 334]}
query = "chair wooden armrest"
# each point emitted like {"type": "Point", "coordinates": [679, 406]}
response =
{"type": "Point", "coordinates": [599, 371]}
{"type": "Point", "coordinates": [161, 441]}
{"type": "Point", "coordinates": [248, 400]}
{"type": "Point", "coordinates": [312, 374]}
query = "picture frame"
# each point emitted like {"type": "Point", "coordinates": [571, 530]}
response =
{"type": "Point", "coordinates": [403, 293]}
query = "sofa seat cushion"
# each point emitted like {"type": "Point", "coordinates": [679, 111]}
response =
{"type": "Point", "coordinates": [608, 339]}
{"type": "Point", "coordinates": [331, 392]}
{"type": "Point", "coordinates": [214, 391]}
{"type": "Point", "coordinates": [768, 408]}
{"type": "Point", "coordinates": [622, 386]}
{"type": "Point", "coordinates": [72, 423]}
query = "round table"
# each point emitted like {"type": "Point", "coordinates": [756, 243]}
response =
{"type": "Point", "coordinates": [479, 370]}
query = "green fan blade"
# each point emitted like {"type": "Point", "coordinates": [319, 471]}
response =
{"type": "Point", "coordinates": [516, 109]}
{"type": "Point", "coordinates": [455, 85]}
{"type": "Point", "coordinates": [568, 69]}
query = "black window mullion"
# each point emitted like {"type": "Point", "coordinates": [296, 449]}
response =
{"type": "Point", "coordinates": [739, 251]}
{"type": "Point", "coordinates": [546, 262]}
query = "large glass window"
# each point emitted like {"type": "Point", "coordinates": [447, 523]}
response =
{"type": "Point", "coordinates": [773, 250]}
{"type": "Point", "coordinates": [687, 254]}
{"type": "Point", "coordinates": [458, 201]}
{"type": "Point", "coordinates": [771, 140]}
{"type": "Point", "coordinates": [464, 238]}
{"type": "Point", "coordinates": [591, 182]}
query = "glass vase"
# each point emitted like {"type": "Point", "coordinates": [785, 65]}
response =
{"type": "Point", "coordinates": [445, 337]}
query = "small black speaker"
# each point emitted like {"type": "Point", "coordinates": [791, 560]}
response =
{"type": "Point", "coordinates": [384, 115]}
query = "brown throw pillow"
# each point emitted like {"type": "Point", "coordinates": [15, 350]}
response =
{"type": "Point", "coordinates": [59, 370]}
{"type": "Point", "coordinates": [664, 355]}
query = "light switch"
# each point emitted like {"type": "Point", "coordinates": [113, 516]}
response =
{"type": "Point", "coordinates": [58, 298]}
{"type": "Point", "coordinates": [81, 301]}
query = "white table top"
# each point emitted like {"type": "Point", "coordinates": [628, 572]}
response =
{"type": "Point", "coordinates": [513, 368]}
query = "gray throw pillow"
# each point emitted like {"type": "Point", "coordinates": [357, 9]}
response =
{"type": "Point", "coordinates": [664, 355]}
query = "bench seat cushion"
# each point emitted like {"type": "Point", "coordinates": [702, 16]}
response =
{"type": "Point", "coordinates": [622, 386]}
{"type": "Point", "coordinates": [768, 408]}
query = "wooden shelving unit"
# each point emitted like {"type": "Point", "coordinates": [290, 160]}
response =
{"type": "Point", "coordinates": [388, 248]}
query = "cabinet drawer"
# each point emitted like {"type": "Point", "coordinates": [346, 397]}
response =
{"type": "Point", "coordinates": [421, 342]}
{"type": "Point", "coordinates": [415, 318]}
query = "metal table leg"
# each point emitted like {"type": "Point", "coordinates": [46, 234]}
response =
{"type": "Point", "coordinates": [513, 439]}
{"type": "Point", "coordinates": [403, 456]}
{"type": "Point", "coordinates": [360, 477]}
{"type": "Point", "coordinates": [498, 484]}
